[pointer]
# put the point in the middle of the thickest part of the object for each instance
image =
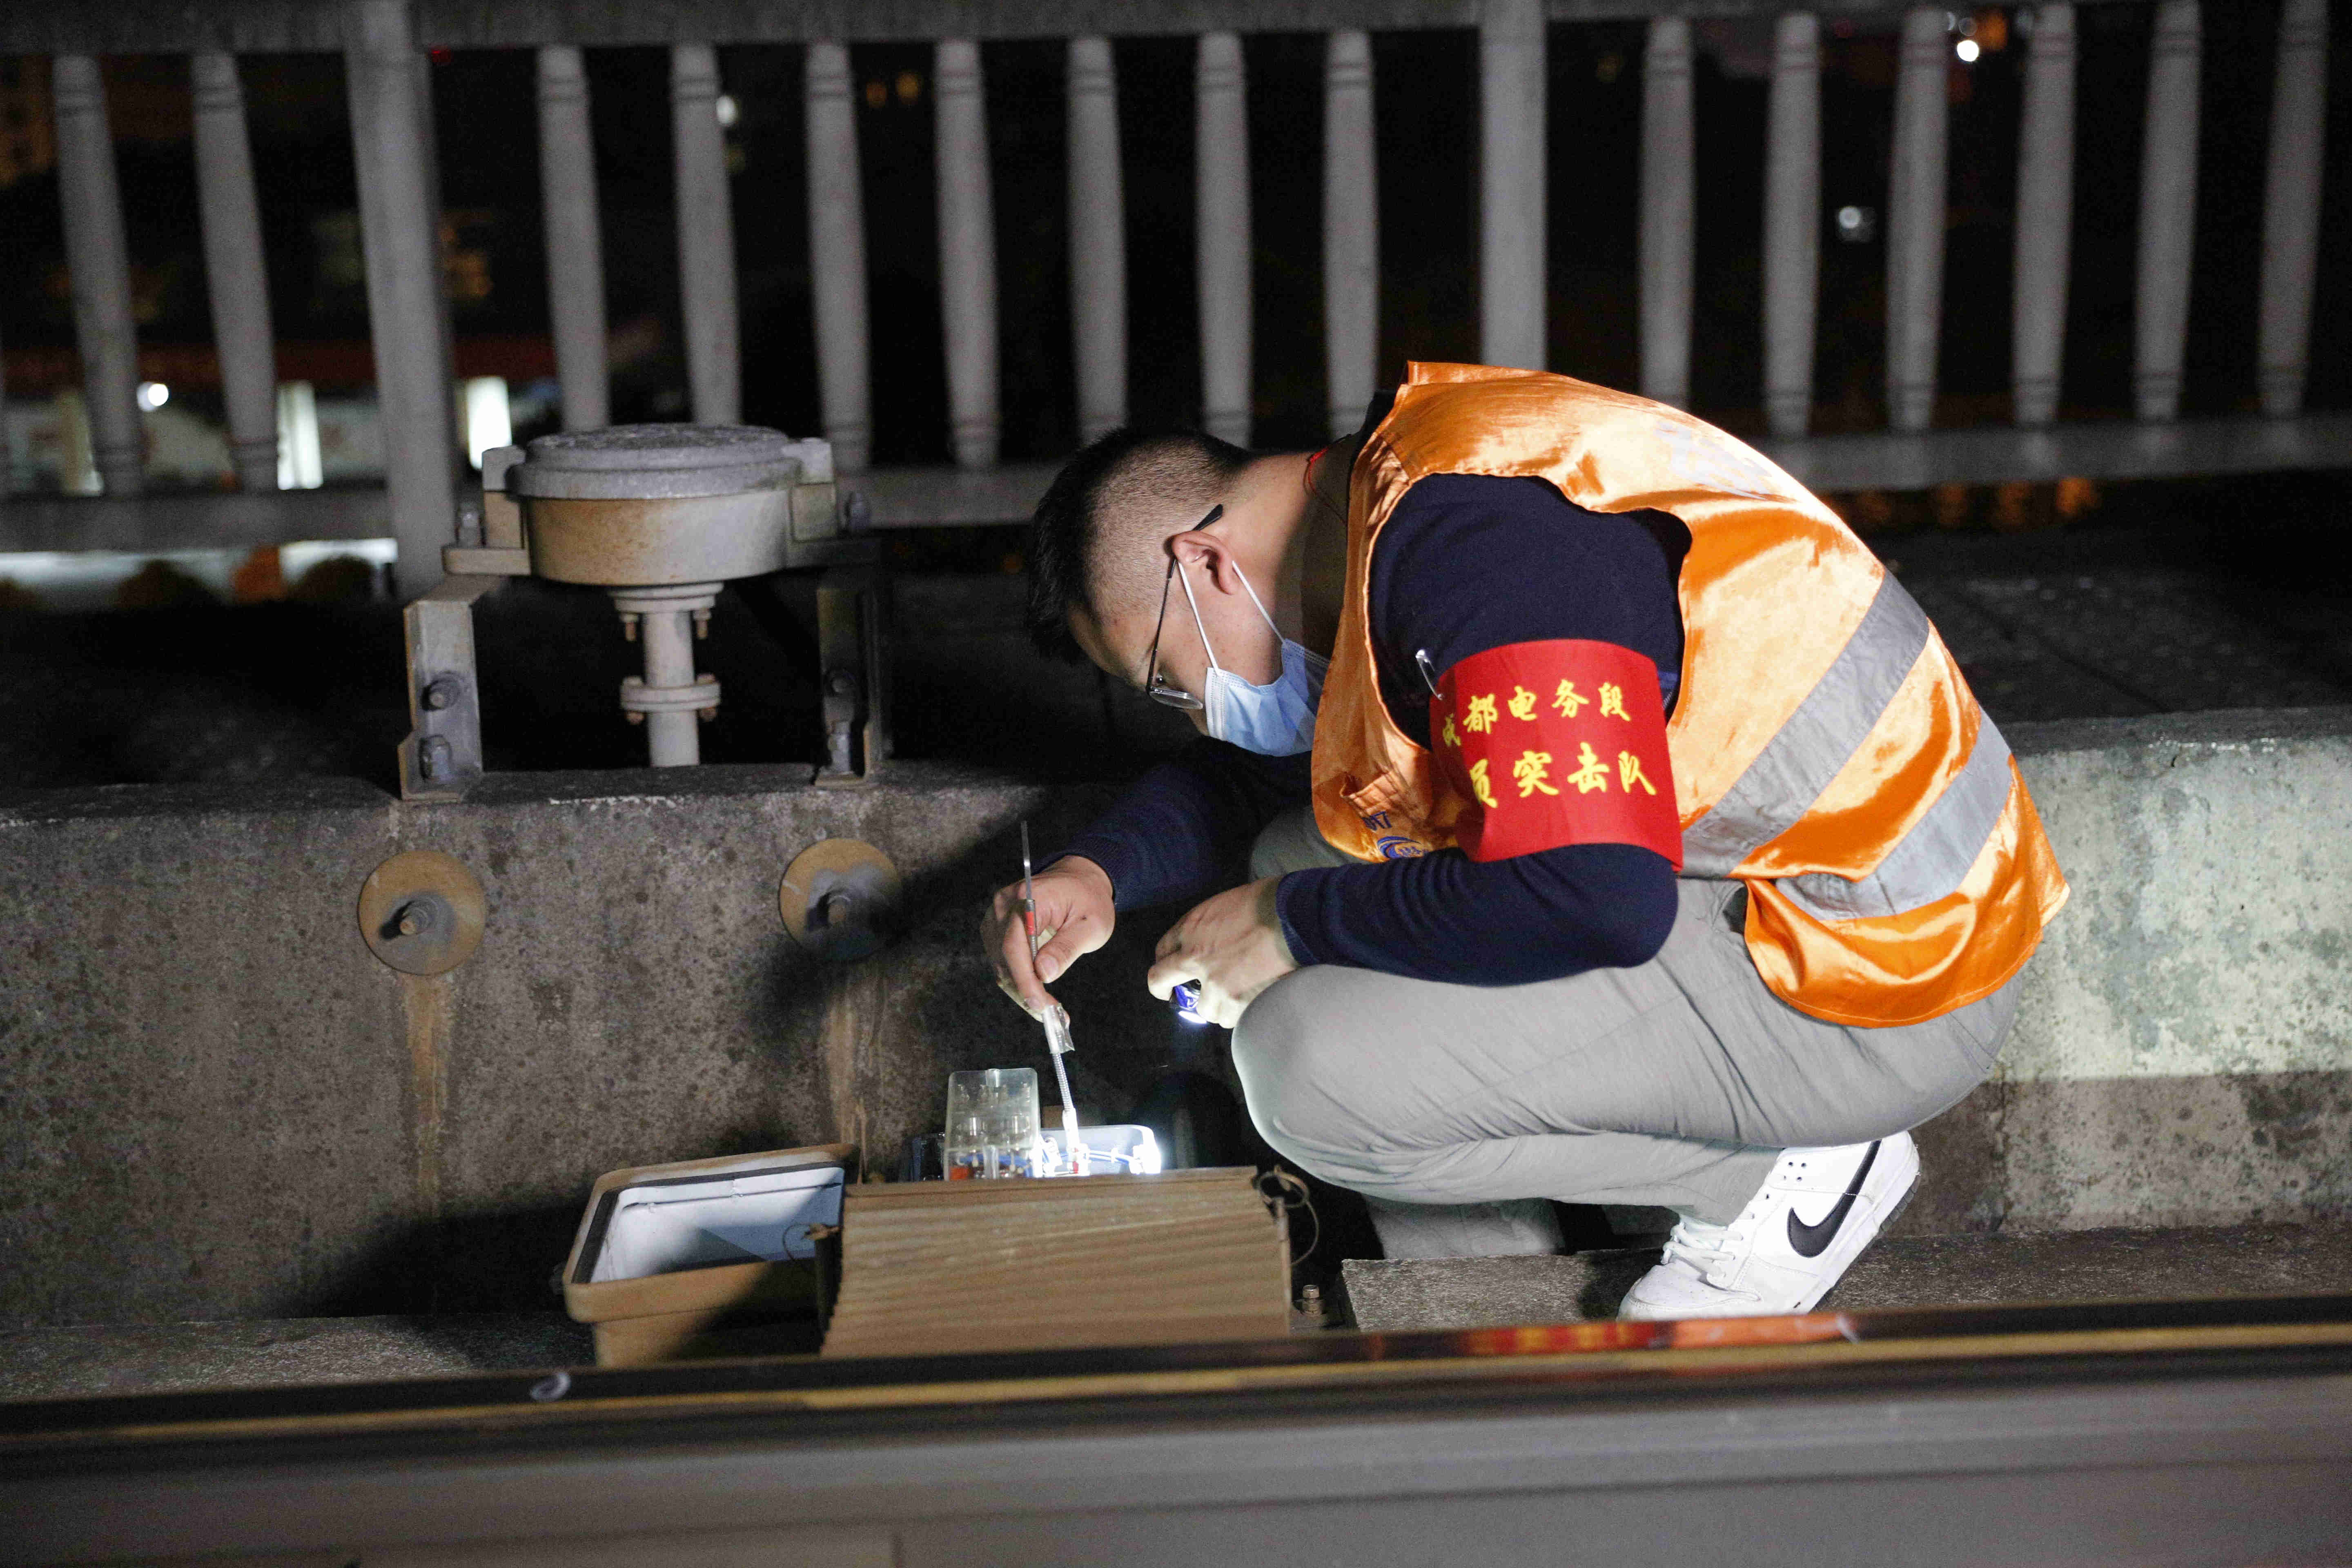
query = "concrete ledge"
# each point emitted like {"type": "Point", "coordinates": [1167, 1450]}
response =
{"type": "Point", "coordinates": [2212, 862]}
{"type": "Point", "coordinates": [218, 1104]}
{"type": "Point", "coordinates": [2236, 729]}
{"type": "Point", "coordinates": [2183, 1055]}
{"type": "Point", "coordinates": [156, 1358]}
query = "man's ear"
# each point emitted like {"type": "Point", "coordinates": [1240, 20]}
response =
{"type": "Point", "coordinates": [1201, 548]}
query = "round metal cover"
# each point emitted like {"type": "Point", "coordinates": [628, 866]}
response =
{"type": "Point", "coordinates": [840, 898]}
{"type": "Point", "coordinates": [421, 912]}
{"type": "Point", "coordinates": [653, 462]}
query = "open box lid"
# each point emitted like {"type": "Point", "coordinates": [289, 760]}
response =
{"type": "Point", "coordinates": [700, 1235]}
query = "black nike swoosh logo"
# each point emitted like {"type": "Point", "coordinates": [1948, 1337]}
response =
{"type": "Point", "coordinates": [1812, 1240]}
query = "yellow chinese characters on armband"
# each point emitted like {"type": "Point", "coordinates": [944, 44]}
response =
{"type": "Point", "coordinates": [1581, 769]}
{"type": "Point", "coordinates": [1530, 771]}
{"type": "Point", "coordinates": [1591, 773]}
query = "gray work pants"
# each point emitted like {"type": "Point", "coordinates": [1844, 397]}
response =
{"type": "Point", "coordinates": [1675, 1083]}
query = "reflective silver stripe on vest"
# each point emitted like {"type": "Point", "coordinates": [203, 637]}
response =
{"type": "Point", "coordinates": [1933, 857]}
{"type": "Point", "coordinates": [1800, 761]}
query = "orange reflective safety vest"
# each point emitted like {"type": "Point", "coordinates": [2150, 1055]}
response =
{"type": "Point", "coordinates": [1826, 751]}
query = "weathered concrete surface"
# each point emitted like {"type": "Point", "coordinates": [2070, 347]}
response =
{"type": "Point", "coordinates": [2183, 1053]}
{"type": "Point", "coordinates": [1898, 1271]}
{"type": "Point", "coordinates": [215, 1103]}
{"type": "Point", "coordinates": [205, 1097]}
{"type": "Point", "coordinates": [157, 1358]}
{"type": "Point", "coordinates": [219, 1104]}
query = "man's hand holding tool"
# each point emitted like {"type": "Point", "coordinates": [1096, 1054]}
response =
{"type": "Point", "coordinates": [1074, 915]}
{"type": "Point", "coordinates": [1058, 1021]}
{"type": "Point", "coordinates": [1230, 947]}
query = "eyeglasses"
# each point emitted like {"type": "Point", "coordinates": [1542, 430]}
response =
{"type": "Point", "coordinates": [1156, 685]}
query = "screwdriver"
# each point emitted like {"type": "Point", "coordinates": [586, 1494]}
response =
{"type": "Point", "coordinates": [1058, 1022]}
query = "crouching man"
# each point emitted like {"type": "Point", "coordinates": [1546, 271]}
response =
{"type": "Point", "coordinates": [1618, 829]}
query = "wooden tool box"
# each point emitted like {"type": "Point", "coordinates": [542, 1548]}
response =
{"type": "Point", "coordinates": [937, 1267]}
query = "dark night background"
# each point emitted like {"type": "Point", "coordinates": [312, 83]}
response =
{"type": "Point", "coordinates": [485, 104]}
{"type": "Point", "coordinates": [193, 691]}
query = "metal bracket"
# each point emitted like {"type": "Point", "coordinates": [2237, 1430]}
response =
{"type": "Point", "coordinates": [466, 561]}
{"type": "Point", "coordinates": [824, 527]}
{"type": "Point", "coordinates": [443, 751]}
{"type": "Point", "coordinates": [816, 513]}
{"type": "Point", "coordinates": [490, 540]}
{"type": "Point", "coordinates": [852, 616]}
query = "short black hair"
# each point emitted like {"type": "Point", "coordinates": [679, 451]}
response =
{"type": "Point", "coordinates": [1082, 537]}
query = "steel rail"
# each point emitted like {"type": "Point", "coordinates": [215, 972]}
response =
{"type": "Point", "coordinates": [2218, 1430]}
{"type": "Point", "coordinates": [1552, 1356]}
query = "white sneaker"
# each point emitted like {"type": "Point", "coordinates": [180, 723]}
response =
{"type": "Point", "coordinates": [1523, 1227]}
{"type": "Point", "coordinates": [1815, 1212]}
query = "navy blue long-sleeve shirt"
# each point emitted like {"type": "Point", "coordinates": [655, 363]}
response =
{"type": "Point", "coordinates": [1466, 564]}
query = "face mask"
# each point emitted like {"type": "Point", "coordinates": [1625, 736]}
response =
{"type": "Point", "coordinates": [1276, 720]}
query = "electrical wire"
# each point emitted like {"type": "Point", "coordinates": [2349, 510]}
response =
{"type": "Point", "coordinates": [1290, 1194]}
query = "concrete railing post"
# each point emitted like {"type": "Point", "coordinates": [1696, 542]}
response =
{"type": "Point", "coordinates": [1793, 222]}
{"type": "Point", "coordinates": [837, 257]}
{"type": "Point", "coordinates": [1915, 227]}
{"type": "Point", "coordinates": [98, 260]}
{"type": "Point", "coordinates": [967, 254]}
{"type": "Point", "coordinates": [1097, 240]}
{"type": "Point", "coordinates": [2291, 204]}
{"type": "Point", "coordinates": [1669, 212]}
{"type": "Point", "coordinates": [237, 278]}
{"type": "Point", "coordinates": [1351, 233]}
{"type": "Point", "coordinates": [2045, 216]}
{"type": "Point", "coordinates": [705, 238]}
{"type": "Point", "coordinates": [2167, 210]}
{"type": "Point", "coordinates": [1511, 216]}
{"type": "Point", "coordinates": [576, 252]}
{"type": "Point", "coordinates": [408, 320]}
{"type": "Point", "coordinates": [1222, 193]}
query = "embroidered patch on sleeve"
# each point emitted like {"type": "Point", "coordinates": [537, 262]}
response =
{"type": "Point", "coordinates": [1561, 741]}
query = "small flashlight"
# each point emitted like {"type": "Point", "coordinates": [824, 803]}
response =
{"type": "Point", "coordinates": [1186, 999]}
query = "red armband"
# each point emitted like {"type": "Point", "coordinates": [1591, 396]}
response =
{"type": "Point", "coordinates": [1557, 743]}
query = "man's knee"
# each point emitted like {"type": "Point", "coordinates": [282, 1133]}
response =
{"type": "Point", "coordinates": [1292, 1056]}
{"type": "Point", "coordinates": [1292, 842]}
